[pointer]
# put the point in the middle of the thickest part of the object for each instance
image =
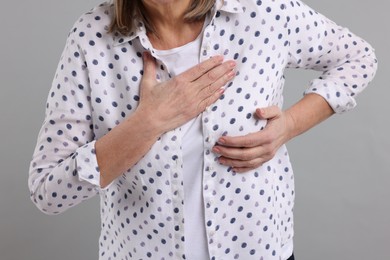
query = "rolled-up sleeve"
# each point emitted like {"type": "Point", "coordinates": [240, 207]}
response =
{"type": "Point", "coordinates": [347, 62]}
{"type": "Point", "coordinates": [64, 170]}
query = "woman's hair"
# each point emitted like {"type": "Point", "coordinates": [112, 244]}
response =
{"type": "Point", "coordinates": [129, 12]}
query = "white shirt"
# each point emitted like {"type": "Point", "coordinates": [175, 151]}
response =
{"type": "Point", "coordinates": [247, 216]}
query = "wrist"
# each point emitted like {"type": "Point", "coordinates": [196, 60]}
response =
{"type": "Point", "coordinates": [148, 125]}
{"type": "Point", "coordinates": [149, 122]}
{"type": "Point", "coordinates": [124, 146]}
{"type": "Point", "coordinates": [291, 125]}
{"type": "Point", "coordinates": [311, 110]}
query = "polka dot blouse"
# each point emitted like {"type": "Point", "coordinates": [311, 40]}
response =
{"type": "Point", "coordinates": [96, 86]}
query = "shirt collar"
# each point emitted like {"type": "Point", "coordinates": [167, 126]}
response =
{"type": "Point", "coordinates": [120, 39]}
{"type": "Point", "coordinates": [230, 6]}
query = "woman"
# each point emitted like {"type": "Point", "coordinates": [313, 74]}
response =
{"type": "Point", "coordinates": [186, 150]}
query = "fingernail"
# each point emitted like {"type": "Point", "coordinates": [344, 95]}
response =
{"type": "Point", "coordinates": [232, 64]}
{"type": "Point", "coordinates": [221, 141]}
{"type": "Point", "coordinates": [261, 110]}
{"type": "Point", "coordinates": [219, 58]}
{"type": "Point", "coordinates": [231, 74]}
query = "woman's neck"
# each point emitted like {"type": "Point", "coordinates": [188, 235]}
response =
{"type": "Point", "coordinates": [175, 36]}
{"type": "Point", "coordinates": [170, 29]}
{"type": "Point", "coordinates": [163, 13]}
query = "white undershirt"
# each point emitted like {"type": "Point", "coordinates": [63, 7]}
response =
{"type": "Point", "coordinates": [177, 61]}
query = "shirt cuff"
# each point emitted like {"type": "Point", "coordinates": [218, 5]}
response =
{"type": "Point", "coordinates": [336, 95]}
{"type": "Point", "coordinates": [87, 166]}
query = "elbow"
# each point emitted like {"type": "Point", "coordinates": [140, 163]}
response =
{"type": "Point", "coordinates": [43, 200]}
{"type": "Point", "coordinates": [368, 64]}
{"type": "Point", "coordinates": [360, 72]}
{"type": "Point", "coordinates": [374, 64]}
{"type": "Point", "coordinates": [45, 205]}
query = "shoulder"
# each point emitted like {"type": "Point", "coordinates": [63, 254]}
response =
{"type": "Point", "coordinates": [264, 4]}
{"type": "Point", "coordinates": [262, 9]}
{"type": "Point", "coordinates": [269, 6]}
{"type": "Point", "coordinates": [93, 25]}
{"type": "Point", "coordinates": [285, 11]}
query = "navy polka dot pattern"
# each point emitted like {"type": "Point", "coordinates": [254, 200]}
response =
{"type": "Point", "coordinates": [247, 216]}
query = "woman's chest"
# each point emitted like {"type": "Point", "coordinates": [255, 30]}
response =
{"type": "Point", "coordinates": [116, 78]}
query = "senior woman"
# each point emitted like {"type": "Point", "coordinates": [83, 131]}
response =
{"type": "Point", "coordinates": [170, 110]}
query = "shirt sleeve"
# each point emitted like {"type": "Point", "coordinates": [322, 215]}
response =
{"type": "Point", "coordinates": [347, 62]}
{"type": "Point", "coordinates": [64, 170]}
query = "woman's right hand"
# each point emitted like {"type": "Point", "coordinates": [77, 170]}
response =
{"type": "Point", "coordinates": [163, 107]}
{"type": "Point", "coordinates": [172, 103]}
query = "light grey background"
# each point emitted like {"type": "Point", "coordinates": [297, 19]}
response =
{"type": "Point", "coordinates": [342, 167]}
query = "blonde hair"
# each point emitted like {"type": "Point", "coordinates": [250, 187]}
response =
{"type": "Point", "coordinates": [129, 12]}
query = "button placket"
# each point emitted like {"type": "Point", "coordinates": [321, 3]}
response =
{"type": "Point", "coordinates": [208, 181]}
{"type": "Point", "coordinates": [176, 170]}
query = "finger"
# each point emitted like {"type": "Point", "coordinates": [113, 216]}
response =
{"type": "Point", "coordinates": [255, 163]}
{"type": "Point", "coordinates": [249, 140]}
{"type": "Point", "coordinates": [200, 69]}
{"type": "Point", "coordinates": [242, 169]}
{"type": "Point", "coordinates": [246, 154]}
{"type": "Point", "coordinates": [210, 93]}
{"type": "Point", "coordinates": [220, 82]}
{"type": "Point", "coordinates": [210, 99]}
{"type": "Point", "coordinates": [211, 89]}
{"type": "Point", "coordinates": [149, 76]}
{"type": "Point", "coordinates": [268, 112]}
{"type": "Point", "coordinates": [217, 75]}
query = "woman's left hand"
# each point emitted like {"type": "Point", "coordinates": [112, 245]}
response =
{"type": "Point", "coordinates": [244, 153]}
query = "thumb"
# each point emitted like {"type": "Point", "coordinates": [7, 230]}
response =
{"type": "Point", "coordinates": [149, 76]}
{"type": "Point", "coordinates": [268, 112]}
